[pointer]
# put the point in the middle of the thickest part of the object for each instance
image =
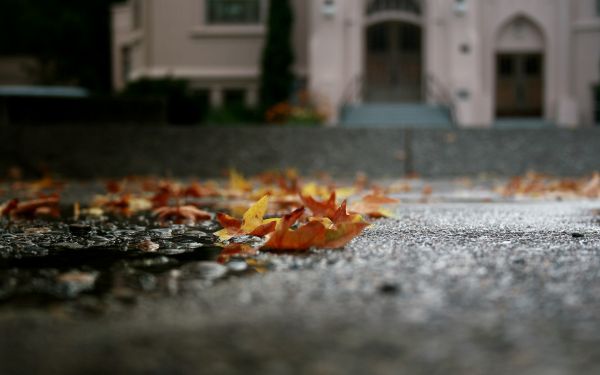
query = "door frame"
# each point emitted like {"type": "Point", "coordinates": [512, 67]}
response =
{"type": "Point", "coordinates": [539, 112]}
{"type": "Point", "coordinates": [402, 19]}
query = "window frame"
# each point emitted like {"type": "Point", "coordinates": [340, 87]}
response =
{"type": "Point", "coordinates": [406, 6]}
{"type": "Point", "coordinates": [207, 14]}
{"type": "Point", "coordinates": [202, 28]}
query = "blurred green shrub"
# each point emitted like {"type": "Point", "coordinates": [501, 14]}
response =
{"type": "Point", "coordinates": [233, 115]}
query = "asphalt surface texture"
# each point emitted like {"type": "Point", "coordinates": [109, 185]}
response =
{"type": "Point", "coordinates": [464, 283]}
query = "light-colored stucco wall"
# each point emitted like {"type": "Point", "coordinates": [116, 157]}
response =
{"type": "Point", "coordinates": [585, 69]}
{"type": "Point", "coordinates": [459, 51]}
{"type": "Point", "coordinates": [175, 41]}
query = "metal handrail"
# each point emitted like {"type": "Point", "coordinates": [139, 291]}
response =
{"type": "Point", "coordinates": [353, 91]}
{"type": "Point", "coordinates": [436, 90]}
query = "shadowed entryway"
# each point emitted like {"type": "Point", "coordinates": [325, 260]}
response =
{"type": "Point", "coordinates": [520, 70]}
{"type": "Point", "coordinates": [393, 62]}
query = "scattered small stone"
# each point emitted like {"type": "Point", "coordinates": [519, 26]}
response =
{"type": "Point", "coordinates": [162, 233]}
{"type": "Point", "coordinates": [152, 262]}
{"type": "Point", "coordinates": [37, 230]}
{"type": "Point", "coordinates": [69, 245]}
{"type": "Point", "coordinates": [148, 246]}
{"type": "Point", "coordinates": [237, 265]}
{"type": "Point", "coordinates": [206, 270]}
{"type": "Point", "coordinates": [519, 261]}
{"type": "Point", "coordinates": [389, 288]}
{"type": "Point", "coordinates": [173, 251]}
{"type": "Point", "coordinates": [73, 283]}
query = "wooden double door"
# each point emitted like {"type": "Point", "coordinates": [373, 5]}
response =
{"type": "Point", "coordinates": [393, 62]}
{"type": "Point", "coordinates": [519, 85]}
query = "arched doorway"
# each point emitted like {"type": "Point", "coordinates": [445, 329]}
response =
{"type": "Point", "coordinates": [520, 67]}
{"type": "Point", "coordinates": [393, 56]}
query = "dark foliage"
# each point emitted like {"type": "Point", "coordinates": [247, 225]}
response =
{"type": "Point", "coordinates": [69, 38]}
{"type": "Point", "coordinates": [183, 105]}
{"type": "Point", "coordinates": [277, 77]}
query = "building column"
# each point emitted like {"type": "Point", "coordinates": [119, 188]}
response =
{"type": "Point", "coordinates": [216, 96]}
{"type": "Point", "coordinates": [329, 22]}
{"type": "Point", "coordinates": [566, 112]}
{"type": "Point", "coordinates": [252, 97]}
{"type": "Point", "coordinates": [466, 65]}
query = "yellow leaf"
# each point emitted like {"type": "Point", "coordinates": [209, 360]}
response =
{"type": "Point", "coordinates": [254, 216]}
{"type": "Point", "coordinates": [224, 234]}
{"type": "Point", "coordinates": [344, 192]}
{"type": "Point", "coordinates": [238, 182]}
{"type": "Point", "coordinates": [311, 189]}
{"type": "Point", "coordinates": [252, 222]}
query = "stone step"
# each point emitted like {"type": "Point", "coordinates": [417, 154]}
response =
{"type": "Point", "coordinates": [396, 115]}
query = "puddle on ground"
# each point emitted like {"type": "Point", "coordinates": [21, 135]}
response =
{"type": "Point", "coordinates": [87, 266]}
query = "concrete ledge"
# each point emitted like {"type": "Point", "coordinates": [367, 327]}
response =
{"type": "Point", "coordinates": [89, 151]}
{"type": "Point", "coordinates": [505, 152]}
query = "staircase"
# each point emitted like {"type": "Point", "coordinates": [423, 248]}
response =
{"type": "Point", "coordinates": [523, 123]}
{"type": "Point", "coordinates": [417, 115]}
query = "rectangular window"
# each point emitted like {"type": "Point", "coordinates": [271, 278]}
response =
{"type": "Point", "coordinates": [233, 11]}
{"type": "Point", "coordinates": [598, 8]}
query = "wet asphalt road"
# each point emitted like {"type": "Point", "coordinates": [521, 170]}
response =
{"type": "Point", "coordinates": [446, 288]}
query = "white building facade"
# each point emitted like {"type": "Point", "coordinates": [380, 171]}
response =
{"type": "Point", "coordinates": [484, 60]}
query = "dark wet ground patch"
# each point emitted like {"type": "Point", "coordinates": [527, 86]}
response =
{"type": "Point", "coordinates": [90, 266]}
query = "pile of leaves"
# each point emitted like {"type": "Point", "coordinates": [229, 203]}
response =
{"type": "Point", "coordinates": [539, 185]}
{"type": "Point", "coordinates": [275, 211]}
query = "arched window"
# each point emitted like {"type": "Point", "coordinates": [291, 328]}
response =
{"type": "Point", "coordinates": [520, 68]}
{"type": "Point", "coordinates": [520, 34]}
{"type": "Point", "coordinates": [410, 6]}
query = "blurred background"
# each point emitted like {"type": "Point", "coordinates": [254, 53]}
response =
{"type": "Point", "coordinates": [402, 63]}
{"type": "Point", "coordinates": [401, 67]}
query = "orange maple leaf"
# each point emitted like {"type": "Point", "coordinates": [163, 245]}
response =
{"type": "Point", "coordinates": [301, 239]}
{"type": "Point", "coordinates": [197, 190]}
{"type": "Point", "coordinates": [591, 189]}
{"type": "Point", "coordinates": [181, 214]}
{"type": "Point", "coordinates": [7, 207]}
{"type": "Point", "coordinates": [340, 234]}
{"type": "Point", "coordinates": [113, 186]}
{"type": "Point", "coordinates": [320, 232]}
{"type": "Point", "coordinates": [47, 206]}
{"type": "Point", "coordinates": [324, 208]}
{"type": "Point", "coordinates": [125, 204]}
{"type": "Point", "coordinates": [370, 205]}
